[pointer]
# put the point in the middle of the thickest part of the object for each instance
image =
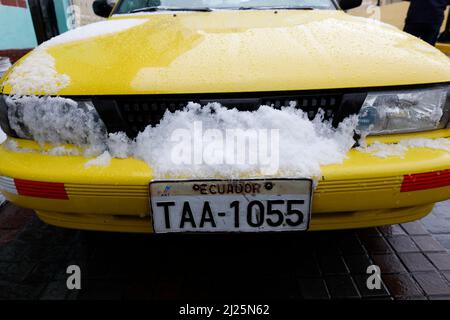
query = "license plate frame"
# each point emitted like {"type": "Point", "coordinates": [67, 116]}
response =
{"type": "Point", "coordinates": [305, 183]}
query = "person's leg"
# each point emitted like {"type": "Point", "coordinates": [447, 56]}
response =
{"type": "Point", "coordinates": [431, 34]}
{"type": "Point", "coordinates": [434, 34]}
{"type": "Point", "coordinates": [427, 32]}
{"type": "Point", "coordinates": [415, 29]}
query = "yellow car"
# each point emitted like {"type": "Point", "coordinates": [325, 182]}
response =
{"type": "Point", "coordinates": [151, 56]}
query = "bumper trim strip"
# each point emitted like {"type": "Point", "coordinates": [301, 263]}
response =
{"type": "Point", "coordinates": [48, 190]}
{"type": "Point", "coordinates": [424, 181]}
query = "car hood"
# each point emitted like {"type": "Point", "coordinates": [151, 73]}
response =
{"type": "Point", "coordinates": [227, 51]}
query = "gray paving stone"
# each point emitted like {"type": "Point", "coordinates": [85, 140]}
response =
{"type": "Point", "coordinates": [414, 228]}
{"type": "Point", "coordinates": [16, 272]}
{"type": "Point", "coordinates": [402, 286]}
{"type": "Point", "coordinates": [440, 260]}
{"type": "Point", "coordinates": [388, 263]}
{"type": "Point", "coordinates": [314, 288]}
{"type": "Point", "coordinates": [358, 264]}
{"type": "Point", "coordinates": [437, 224]}
{"type": "Point", "coordinates": [447, 297]}
{"type": "Point", "coordinates": [392, 230]}
{"type": "Point", "coordinates": [416, 261]}
{"type": "Point", "coordinates": [444, 240]}
{"type": "Point", "coordinates": [376, 245]}
{"type": "Point", "coordinates": [306, 266]}
{"type": "Point", "coordinates": [342, 286]}
{"type": "Point", "coordinates": [442, 209]}
{"type": "Point", "coordinates": [332, 264]}
{"type": "Point", "coordinates": [14, 291]}
{"type": "Point", "coordinates": [402, 243]}
{"type": "Point", "coordinates": [427, 243]}
{"type": "Point", "coordinates": [57, 290]}
{"type": "Point", "coordinates": [432, 283]}
{"type": "Point", "coordinates": [13, 252]}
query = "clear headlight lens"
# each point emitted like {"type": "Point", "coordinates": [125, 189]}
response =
{"type": "Point", "coordinates": [4, 121]}
{"type": "Point", "coordinates": [404, 111]}
{"type": "Point", "coordinates": [51, 119]}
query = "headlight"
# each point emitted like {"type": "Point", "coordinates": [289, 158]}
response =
{"type": "Point", "coordinates": [4, 122]}
{"type": "Point", "coordinates": [55, 120]}
{"type": "Point", "coordinates": [404, 111]}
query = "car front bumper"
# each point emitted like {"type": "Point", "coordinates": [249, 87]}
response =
{"type": "Point", "coordinates": [363, 191]}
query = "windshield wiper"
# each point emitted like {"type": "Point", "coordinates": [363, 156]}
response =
{"type": "Point", "coordinates": [160, 8]}
{"type": "Point", "coordinates": [276, 8]}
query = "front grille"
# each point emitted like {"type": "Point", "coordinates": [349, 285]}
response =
{"type": "Point", "coordinates": [132, 114]}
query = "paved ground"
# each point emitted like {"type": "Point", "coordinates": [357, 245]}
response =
{"type": "Point", "coordinates": [323, 265]}
{"type": "Point", "coordinates": [438, 223]}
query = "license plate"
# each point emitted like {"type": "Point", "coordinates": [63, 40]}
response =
{"type": "Point", "coordinates": [253, 205]}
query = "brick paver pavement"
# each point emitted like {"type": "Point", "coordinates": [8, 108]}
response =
{"type": "Point", "coordinates": [320, 265]}
{"type": "Point", "coordinates": [438, 223]}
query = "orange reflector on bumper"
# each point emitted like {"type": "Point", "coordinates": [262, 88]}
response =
{"type": "Point", "coordinates": [49, 190]}
{"type": "Point", "coordinates": [423, 181]}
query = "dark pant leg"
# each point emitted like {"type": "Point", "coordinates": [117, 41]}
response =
{"type": "Point", "coordinates": [426, 32]}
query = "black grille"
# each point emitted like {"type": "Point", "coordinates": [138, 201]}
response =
{"type": "Point", "coordinates": [132, 114]}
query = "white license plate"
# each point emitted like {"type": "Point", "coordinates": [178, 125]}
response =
{"type": "Point", "coordinates": [252, 205]}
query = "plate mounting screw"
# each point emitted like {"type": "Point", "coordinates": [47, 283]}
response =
{"type": "Point", "coordinates": [268, 185]}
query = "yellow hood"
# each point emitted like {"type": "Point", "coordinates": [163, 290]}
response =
{"type": "Point", "coordinates": [235, 51]}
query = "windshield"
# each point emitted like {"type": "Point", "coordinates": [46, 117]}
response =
{"type": "Point", "coordinates": [128, 6]}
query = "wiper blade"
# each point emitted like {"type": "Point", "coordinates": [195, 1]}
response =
{"type": "Point", "coordinates": [276, 8]}
{"type": "Point", "coordinates": [160, 8]}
